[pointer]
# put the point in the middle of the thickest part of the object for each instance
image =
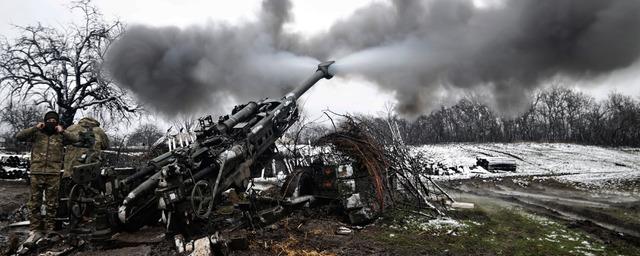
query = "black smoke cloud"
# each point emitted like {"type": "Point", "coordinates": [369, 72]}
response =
{"type": "Point", "coordinates": [198, 68]}
{"type": "Point", "coordinates": [418, 49]}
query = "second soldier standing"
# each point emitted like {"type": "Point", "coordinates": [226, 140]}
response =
{"type": "Point", "coordinates": [75, 153]}
{"type": "Point", "coordinates": [92, 141]}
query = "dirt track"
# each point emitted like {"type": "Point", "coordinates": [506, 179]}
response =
{"type": "Point", "coordinates": [611, 214]}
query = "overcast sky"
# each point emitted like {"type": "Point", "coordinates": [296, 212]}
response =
{"type": "Point", "coordinates": [310, 17]}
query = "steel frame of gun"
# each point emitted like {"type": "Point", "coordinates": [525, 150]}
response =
{"type": "Point", "coordinates": [184, 185]}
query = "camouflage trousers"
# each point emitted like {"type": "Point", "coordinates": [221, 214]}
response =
{"type": "Point", "coordinates": [44, 194]}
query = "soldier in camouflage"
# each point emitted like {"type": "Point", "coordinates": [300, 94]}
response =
{"type": "Point", "coordinates": [74, 152]}
{"type": "Point", "coordinates": [93, 141]}
{"type": "Point", "coordinates": [47, 140]}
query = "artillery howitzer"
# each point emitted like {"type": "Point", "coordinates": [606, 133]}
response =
{"type": "Point", "coordinates": [184, 186]}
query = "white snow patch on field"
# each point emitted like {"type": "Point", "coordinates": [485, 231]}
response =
{"type": "Point", "coordinates": [441, 224]}
{"type": "Point", "coordinates": [591, 165]}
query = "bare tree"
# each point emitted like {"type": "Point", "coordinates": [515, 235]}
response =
{"type": "Point", "coordinates": [18, 117]}
{"type": "Point", "coordinates": [185, 122]}
{"type": "Point", "coordinates": [145, 135]}
{"type": "Point", "coordinates": [623, 115]}
{"type": "Point", "coordinates": [61, 67]}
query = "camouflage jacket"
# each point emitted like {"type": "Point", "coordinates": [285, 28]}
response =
{"type": "Point", "coordinates": [75, 152]}
{"type": "Point", "coordinates": [47, 150]}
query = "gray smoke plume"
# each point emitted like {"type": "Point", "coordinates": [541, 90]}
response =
{"type": "Point", "coordinates": [418, 49]}
{"type": "Point", "coordinates": [177, 70]}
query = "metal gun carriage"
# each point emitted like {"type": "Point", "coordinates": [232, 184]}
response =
{"type": "Point", "coordinates": [184, 187]}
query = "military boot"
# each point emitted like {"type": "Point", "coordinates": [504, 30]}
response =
{"type": "Point", "coordinates": [34, 237]}
{"type": "Point", "coordinates": [54, 237]}
{"type": "Point", "coordinates": [30, 243]}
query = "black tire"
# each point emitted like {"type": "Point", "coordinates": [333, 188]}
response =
{"type": "Point", "coordinates": [301, 180]}
{"type": "Point", "coordinates": [147, 215]}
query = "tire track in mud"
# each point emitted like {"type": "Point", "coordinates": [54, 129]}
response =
{"type": "Point", "coordinates": [591, 217]}
{"type": "Point", "coordinates": [505, 153]}
{"type": "Point", "coordinates": [474, 151]}
{"type": "Point", "coordinates": [576, 219]}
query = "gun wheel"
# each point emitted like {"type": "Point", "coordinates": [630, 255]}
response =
{"type": "Point", "coordinates": [202, 199]}
{"type": "Point", "coordinates": [77, 208]}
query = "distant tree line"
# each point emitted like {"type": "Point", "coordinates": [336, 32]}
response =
{"type": "Point", "coordinates": [15, 117]}
{"type": "Point", "coordinates": [556, 114]}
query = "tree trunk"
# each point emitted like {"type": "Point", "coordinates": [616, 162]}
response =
{"type": "Point", "coordinates": [66, 117]}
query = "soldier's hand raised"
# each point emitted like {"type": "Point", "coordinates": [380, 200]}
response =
{"type": "Point", "coordinates": [40, 125]}
{"type": "Point", "coordinates": [59, 128]}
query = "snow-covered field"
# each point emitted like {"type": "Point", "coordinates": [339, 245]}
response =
{"type": "Point", "coordinates": [590, 165]}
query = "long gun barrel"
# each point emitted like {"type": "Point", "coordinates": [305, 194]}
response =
{"type": "Point", "coordinates": [150, 168]}
{"type": "Point", "coordinates": [244, 113]}
{"type": "Point", "coordinates": [322, 72]}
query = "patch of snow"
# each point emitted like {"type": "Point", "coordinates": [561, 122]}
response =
{"type": "Point", "coordinates": [591, 166]}
{"type": "Point", "coordinates": [443, 222]}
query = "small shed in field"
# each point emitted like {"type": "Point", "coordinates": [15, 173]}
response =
{"type": "Point", "coordinates": [497, 163]}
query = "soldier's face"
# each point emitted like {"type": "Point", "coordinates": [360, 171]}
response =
{"type": "Point", "coordinates": [52, 121]}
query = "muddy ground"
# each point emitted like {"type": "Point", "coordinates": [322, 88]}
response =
{"type": "Point", "coordinates": [13, 198]}
{"type": "Point", "coordinates": [528, 214]}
